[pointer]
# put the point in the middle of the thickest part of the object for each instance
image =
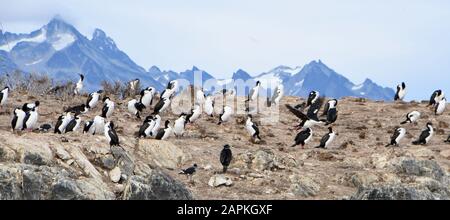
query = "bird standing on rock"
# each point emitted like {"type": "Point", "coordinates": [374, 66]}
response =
{"type": "Point", "coordinates": [426, 135]}
{"type": "Point", "coordinates": [108, 107]}
{"type": "Point", "coordinates": [327, 139]}
{"type": "Point", "coordinates": [93, 99]}
{"type": "Point", "coordinates": [252, 128]}
{"type": "Point", "coordinates": [18, 118]}
{"type": "Point", "coordinates": [111, 134]}
{"type": "Point", "coordinates": [401, 92]}
{"type": "Point", "coordinates": [4, 96]}
{"type": "Point", "coordinates": [399, 134]}
{"type": "Point", "coordinates": [303, 137]}
{"type": "Point", "coordinates": [412, 117]}
{"type": "Point", "coordinates": [165, 133]}
{"type": "Point", "coordinates": [189, 172]}
{"type": "Point", "coordinates": [79, 85]}
{"type": "Point", "coordinates": [135, 107]}
{"type": "Point", "coordinates": [225, 157]}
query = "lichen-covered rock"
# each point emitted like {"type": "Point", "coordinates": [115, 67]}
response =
{"type": "Point", "coordinates": [162, 154]}
{"type": "Point", "coordinates": [304, 186]}
{"type": "Point", "coordinates": [397, 192]}
{"type": "Point", "coordinates": [156, 186]}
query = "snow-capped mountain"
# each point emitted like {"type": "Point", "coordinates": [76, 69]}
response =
{"type": "Point", "coordinates": [59, 50]}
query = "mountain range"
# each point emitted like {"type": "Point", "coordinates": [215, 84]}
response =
{"type": "Point", "coordinates": [61, 51]}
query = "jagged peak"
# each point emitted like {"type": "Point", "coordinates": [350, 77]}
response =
{"type": "Point", "coordinates": [102, 40]}
{"type": "Point", "coordinates": [154, 69]}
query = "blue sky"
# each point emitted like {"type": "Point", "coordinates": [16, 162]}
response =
{"type": "Point", "coordinates": [387, 41]}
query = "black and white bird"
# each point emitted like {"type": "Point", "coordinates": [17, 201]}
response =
{"type": "Point", "coordinates": [330, 104]}
{"type": "Point", "coordinates": [226, 115]}
{"type": "Point", "coordinates": [18, 118]}
{"type": "Point", "coordinates": [4, 96]}
{"type": "Point", "coordinates": [135, 107]}
{"type": "Point", "coordinates": [195, 114]}
{"type": "Point", "coordinates": [411, 117]}
{"type": "Point", "coordinates": [401, 92]}
{"type": "Point", "coordinates": [74, 124]}
{"type": "Point", "coordinates": [330, 111]}
{"type": "Point", "coordinates": [171, 90]}
{"type": "Point", "coordinates": [31, 119]}
{"type": "Point", "coordinates": [426, 135]}
{"type": "Point", "coordinates": [225, 157]}
{"type": "Point", "coordinates": [79, 109]}
{"type": "Point", "coordinates": [93, 99]}
{"type": "Point", "coordinates": [88, 126]}
{"type": "Point", "coordinates": [63, 121]}
{"type": "Point", "coordinates": [200, 97]}
{"type": "Point", "coordinates": [208, 106]}
{"type": "Point", "coordinates": [45, 128]}
{"type": "Point", "coordinates": [111, 134]}
{"type": "Point", "coordinates": [164, 133]}
{"type": "Point", "coordinates": [312, 98]}
{"type": "Point", "coordinates": [254, 93]}
{"type": "Point", "coordinates": [327, 139]}
{"type": "Point", "coordinates": [436, 97]}
{"type": "Point", "coordinates": [147, 95]}
{"type": "Point", "coordinates": [398, 135]}
{"type": "Point", "coordinates": [28, 106]}
{"type": "Point", "coordinates": [180, 125]}
{"type": "Point", "coordinates": [161, 106]}
{"type": "Point", "coordinates": [99, 125]}
{"type": "Point", "coordinates": [146, 127]}
{"type": "Point", "coordinates": [134, 84]}
{"type": "Point", "coordinates": [252, 129]}
{"type": "Point", "coordinates": [277, 95]}
{"type": "Point", "coordinates": [440, 106]}
{"type": "Point", "coordinates": [189, 171]}
{"type": "Point", "coordinates": [303, 138]}
{"type": "Point", "coordinates": [108, 107]}
{"type": "Point", "coordinates": [306, 122]}
{"type": "Point", "coordinates": [79, 85]}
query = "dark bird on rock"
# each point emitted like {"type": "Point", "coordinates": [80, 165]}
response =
{"type": "Point", "coordinates": [225, 157]}
{"type": "Point", "coordinates": [189, 171]}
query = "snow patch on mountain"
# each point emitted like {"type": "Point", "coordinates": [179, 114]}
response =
{"type": "Point", "coordinates": [41, 37]}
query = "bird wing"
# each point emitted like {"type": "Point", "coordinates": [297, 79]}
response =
{"type": "Point", "coordinates": [424, 135]}
{"type": "Point", "coordinates": [104, 110]}
{"type": "Point", "coordinates": [27, 116]}
{"type": "Point", "coordinates": [303, 135]}
{"type": "Point", "coordinates": [255, 126]}
{"type": "Point", "coordinates": [296, 112]}
{"type": "Point", "coordinates": [160, 134]}
{"type": "Point", "coordinates": [143, 128]}
{"type": "Point", "coordinates": [1, 96]}
{"type": "Point", "coordinates": [14, 121]}
{"type": "Point", "coordinates": [396, 134]}
{"type": "Point", "coordinates": [326, 108]}
{"type": "Point", "coordinates": [432, 98]}
{"type": "Point", "coordinates": [114, 138]}
{"type": "Point", "coordinates": [159, 105]}
{"type": "Point", "coordinates": [324, 139]}
{"type": "Point", "coordinates": [332, 115]}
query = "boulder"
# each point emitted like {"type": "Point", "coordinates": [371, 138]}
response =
{"type": "Point", "coordinates": [263, 160]}
{"type": "Point", "coordinates": [220, 180]}
{"type": "Point", "coordinates": [155, 186]}
{"type": "Point", "coordinates": [7, 154]}
{"type": "Point", "coordinates": [303, 186]}
{"type": "Point", "coordinates": [36, 155]}
{"type": "Point", "coordinates": [161, 154]}
{"type": "Point", "coordinates": [397, 192]}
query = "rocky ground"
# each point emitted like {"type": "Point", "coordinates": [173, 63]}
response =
{"type": "Point", "coordinates": [357, 166]}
